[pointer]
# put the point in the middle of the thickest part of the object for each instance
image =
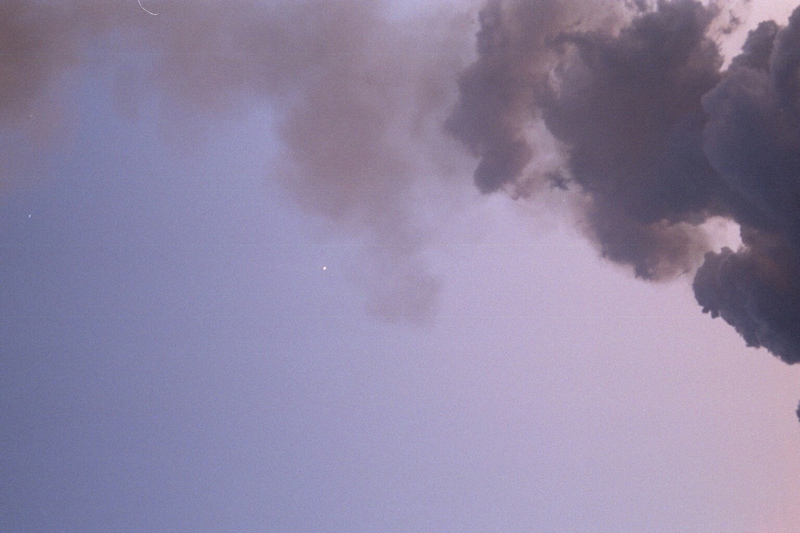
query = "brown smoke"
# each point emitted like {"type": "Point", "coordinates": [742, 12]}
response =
{"type": "Point", "coordinates": [359, 96]}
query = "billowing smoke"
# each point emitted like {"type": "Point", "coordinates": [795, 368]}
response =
{"type": "Point", "coordinates": [626, 104]}
{"type": "Point", "coordinates": [752, 139]}
{"type": "Point", "coordinates": [657, 138]}
{"type": "Point", "coordinates": [654, 135]}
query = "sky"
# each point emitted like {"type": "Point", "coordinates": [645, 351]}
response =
{"type": "Point", "coordinates": [350, 266]}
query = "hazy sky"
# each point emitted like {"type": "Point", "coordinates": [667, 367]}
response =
{"type": "Point", "coordinates": [248, 283]}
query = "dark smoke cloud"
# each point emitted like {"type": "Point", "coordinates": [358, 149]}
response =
{"type": "Point", "coordinates": [654, 137]}
{"type": "Point", "coordinates": [755, 290]}
{"type": "Point", "coordinates": [627, 105]}
{"type": "Point", "coordinates": [753, 141]}
{"type": "Point", "coordinates": [498, 99]}
{"type": "Point", "coordinates": [629, 108]}
{"type": "Point", "coordinates": [656, 251]}
{"type": "Point", "coordinates": [359, 95]}
{"type": "Point", "coordinates": [657, 138]}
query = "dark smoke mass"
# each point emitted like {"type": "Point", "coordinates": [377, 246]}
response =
{"type": "Point", "coordinates": [655, 135]}
{"type": "Point", "coordinates": [658, 138]}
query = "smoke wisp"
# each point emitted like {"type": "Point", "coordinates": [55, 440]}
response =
{"type": "Point", "coordinates": [359, 95]}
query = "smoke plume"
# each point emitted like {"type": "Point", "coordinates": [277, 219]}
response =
{"type": "Point", "coordinates": [655, 136]}
{"type": "Point", "coordinates": [358, 95]}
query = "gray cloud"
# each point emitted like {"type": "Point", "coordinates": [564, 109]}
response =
{"type": "Point", "coordinates": [755, 290]}
{"type": "Point", "coordinates": [625, 102]}
{"type": "Point", "coordinates": [498, 91]}
{"type": "Point", "coordinates": [752, 139]}
{"type": "Point", "coordinates": [657, 139]}
{"type": "Point", "coordinates": [654, 136]}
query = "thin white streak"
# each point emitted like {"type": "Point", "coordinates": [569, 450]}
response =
{"type": "Point", "coordinates": [146, 10]}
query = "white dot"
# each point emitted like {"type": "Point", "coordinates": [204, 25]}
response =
{"type": "Point", "coordinates": [324, 268]}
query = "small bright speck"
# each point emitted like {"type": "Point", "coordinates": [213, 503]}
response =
{"type": "Point", "coordinates": [324, 268]}
{"type": "Point", "coordinates": [29, 216]}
